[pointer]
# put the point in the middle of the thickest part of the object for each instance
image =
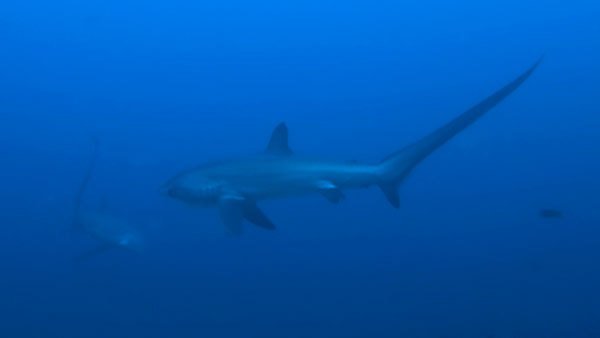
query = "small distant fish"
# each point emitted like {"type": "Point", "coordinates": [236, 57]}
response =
{"type": "Point", "coordinates": [551, 213]}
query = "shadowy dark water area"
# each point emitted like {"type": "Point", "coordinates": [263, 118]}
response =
{"type": "Point", "coordinates": [166, 86]}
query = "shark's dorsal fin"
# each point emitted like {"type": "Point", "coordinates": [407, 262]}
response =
{"type": "Point", "coordinates": [278, 144]}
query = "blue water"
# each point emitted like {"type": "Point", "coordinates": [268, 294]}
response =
{"type": "Point", "coordinates": [166, 85]}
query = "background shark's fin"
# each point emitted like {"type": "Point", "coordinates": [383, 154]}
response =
{"type": "Point", "coordinates": [330, 191]}
{"type": "Point", "coordinates": [391, 194]}
{"type": "Point", "coordinates": [397, 166]}
{"type": "Point", "coordinates": [100, 249]}
{"type": "Point", "coordinates": [84, 184]}
{"type": "Point", "coordinates": [255, 216]}
{"type": "Point", "coordinates": [278, 144]}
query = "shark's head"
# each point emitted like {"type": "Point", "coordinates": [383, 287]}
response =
{"type": "Point", "coordinates": [192, 188]}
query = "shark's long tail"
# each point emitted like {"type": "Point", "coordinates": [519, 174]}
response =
{"type": "Point", "coordinates": [84, 184]}
{"type": "Point", "coordinates": [398, 165]}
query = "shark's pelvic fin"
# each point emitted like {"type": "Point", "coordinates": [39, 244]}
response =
{"type": "Point", "coordinates": [398, 166]}
{"type": "Point", "coordinates": [330, 191]}
{"type": "Point", "coordinates": [278, 144]}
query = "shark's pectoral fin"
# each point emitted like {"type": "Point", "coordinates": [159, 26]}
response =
{"type": "Point", "coordinates": [390, 191]}
{"type": "Point", "coordinates": [278, 144]}
{"type": "Point", "coordinates": [330, 191]}
{"type": "Point", "coordinates": [235, 208]}
{"type": "Point", "coordinates": [230, 210]}
{"type": "Point", "coordinates": [255, 216]}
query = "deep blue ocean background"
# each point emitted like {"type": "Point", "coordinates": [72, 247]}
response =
{"type": "Point", "coordinates": [167, 85]}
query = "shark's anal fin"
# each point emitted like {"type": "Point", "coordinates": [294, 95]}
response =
{"type": "Point", "coordinates": [333, 196]}
{"type": "Point", "coordinates": [278, 144]}
{"type": "Point", "coordinates": [231, 214]}
{"type": "Point", "coordinates": [234, 209]}
{"type": "Point", "coordinates": [330, 191]}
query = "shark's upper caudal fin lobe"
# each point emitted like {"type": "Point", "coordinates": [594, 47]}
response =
{"type": "Point", "coordinates": [397, 166]}
{"type": "Point", "coordinates": [278, 144]}
{"type": "Point", "coordinates": [84, 183]}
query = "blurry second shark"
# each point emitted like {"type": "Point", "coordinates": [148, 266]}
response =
{"type": "Point", "coordinates": [112, 232]}
{"type": "Point", "coordinates": [235, 186]}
